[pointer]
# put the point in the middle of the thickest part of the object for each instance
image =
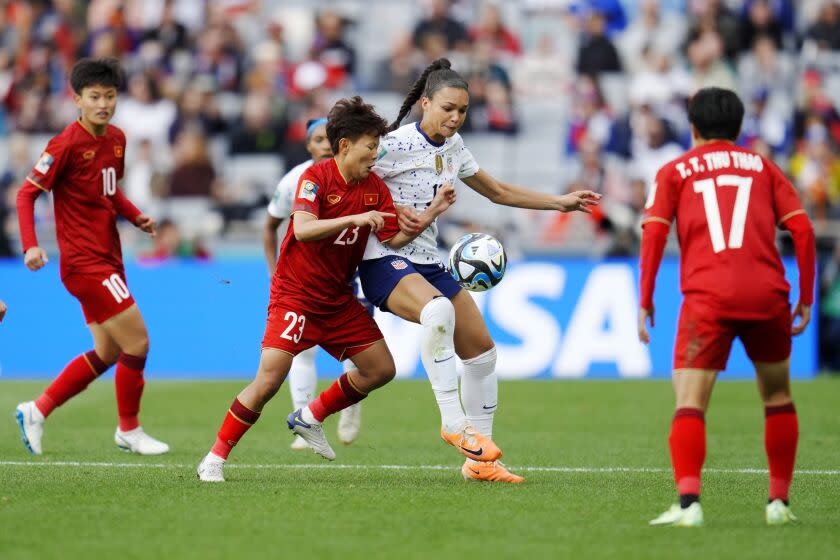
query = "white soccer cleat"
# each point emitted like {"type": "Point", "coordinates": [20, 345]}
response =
{"type": "Point", "coordinates": [349, 424]}
{"type": "Point", "coordinates": [31, 423]}
{"type": "Point", "coordinates": [312, 432]}
{"type": "Point", "coordinates": [777, 513]}
{"type": "Point", "coordinates": [138, 441]}
{"type": "Point", "coordinates": [211, 469]}
{"type": "Point", "coordinates": [692, 516]}
{"type": "Point", "coordinates": [299, 444]}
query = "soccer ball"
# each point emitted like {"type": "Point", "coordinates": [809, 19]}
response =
{"type": "Point", "coordinates": [477, 262]}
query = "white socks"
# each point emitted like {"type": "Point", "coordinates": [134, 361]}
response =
{"type": "Point", "coordinates": [480, 391]}
{"type": "Point", "coordinates": [437, 352]}
{"type": "Point", "coordinates": [303, 380]}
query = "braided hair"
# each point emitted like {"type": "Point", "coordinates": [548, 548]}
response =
{"type": "Point", "coordinates": [436, 76]}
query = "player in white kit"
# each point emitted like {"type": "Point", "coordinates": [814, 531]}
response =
{"type": "Point", "coordinates": [303, 377]}
{"type": "Point", "coordinates": [415, 161]}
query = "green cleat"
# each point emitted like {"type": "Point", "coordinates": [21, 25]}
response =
{"type": "Point", "coordinates": [692, 516]}
{"type": "Point", "coordinates": [777, 513]}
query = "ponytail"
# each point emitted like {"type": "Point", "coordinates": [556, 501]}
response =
{"type": "Point", "coordinates": [441, 74]}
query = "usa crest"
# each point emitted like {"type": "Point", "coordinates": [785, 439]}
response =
{"type": "Point", "coordinates": [438, 164]}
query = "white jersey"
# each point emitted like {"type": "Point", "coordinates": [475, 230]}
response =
{"type": "Point", "coordinates": [414, 168]}
{"type": "Point", "coordinates": [280, 206]}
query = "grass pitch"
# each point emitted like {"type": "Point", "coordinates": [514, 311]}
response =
{"type": "Point", "coordinates": [594, 453]}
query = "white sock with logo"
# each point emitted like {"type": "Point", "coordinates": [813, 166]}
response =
{"type": "Point", "coordinates": [480, 391]}
{"type": "Point", "coordinates": [437, 352]}
{"type": "Point", "coordinates": [303, 379]}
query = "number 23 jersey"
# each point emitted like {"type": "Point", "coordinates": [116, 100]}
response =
{"type": "Point", "coordinates": [82, 170]}
{"type": "Point", "coordinates": [317, 274]}
{"type": "Point", "coordinates": [727, 202]}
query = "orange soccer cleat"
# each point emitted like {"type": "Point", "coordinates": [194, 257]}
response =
{"type": "Point", "coordinates": [489, 472]}
{"type": "Point", "coordinates": [472, 444]}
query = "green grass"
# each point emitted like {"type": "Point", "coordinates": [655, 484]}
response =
{"type": "Point", "coordinates": [52, 511]}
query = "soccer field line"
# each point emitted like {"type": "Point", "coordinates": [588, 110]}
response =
{"type": "Point", "coordinates": [333, 466]}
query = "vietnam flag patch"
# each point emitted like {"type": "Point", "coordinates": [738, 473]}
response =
{"type": "Point", "coordinates": [371, 199]}
{"type": "Point", "coordinates": [118, 151]}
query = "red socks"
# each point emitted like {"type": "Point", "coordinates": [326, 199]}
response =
{"type": "Point", "coordinates": [75, 377]}
{"type": "Point", "coordinates": [338, 396]}
{"type": "Point", "coordinates": [781, 433]}
{"type": "Point", "coordinates": [129, 383]}
{"type": "Point", "coordinates": [237, 421]}
{"type": "Point", "coordinates": [688, 449]}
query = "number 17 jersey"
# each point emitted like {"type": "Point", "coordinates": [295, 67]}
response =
{"type": "Point", "coordinates": [727, 202]}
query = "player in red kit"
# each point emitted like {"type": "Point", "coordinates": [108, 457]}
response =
{"type": "Point", "coordinates": [338, 203]}
{"type": "Point", "coordinates": [81, 167]}
{"type": "Point", "coordinates": [727, 202]}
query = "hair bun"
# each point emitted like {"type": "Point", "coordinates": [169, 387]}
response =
{"type": "Point", "coordinates": [442, 64]}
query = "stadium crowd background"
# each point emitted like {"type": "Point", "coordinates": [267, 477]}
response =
{"type": "Point", "coordinates": [564, 95]}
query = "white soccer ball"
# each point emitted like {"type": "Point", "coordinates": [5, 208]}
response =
{"type": "Point", "coordinates": [477, 262]}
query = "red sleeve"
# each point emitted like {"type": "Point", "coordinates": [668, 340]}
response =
{"type": "Point", "coordinates": [654, 238]}
{"type": "Point", "coordinates": [806, 254]}
{"type": "Point", "coordinates": [310, 192]}
{"type": "Point", "coordinates": [785, 198]}
{"type": "Point", "coordinates": [121, 148]}
{"type": "Point", "coordinates": [125, 207]}
{"type": "Point", "coordinates": [386, 205]}
{"type": "Point", "coordinates": [661, 204]}
{"type": "Point", "coordinates": [48, 168]}
{"type": "Point", "coordinates": [26, 215]}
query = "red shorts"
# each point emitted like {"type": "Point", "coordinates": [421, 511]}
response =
{"type": "Point", "coordinates": [102, 294]}
{"type": "Point", "coordinates": [704, 339]}
{"type": "Point", "coordinates": [342, 333]}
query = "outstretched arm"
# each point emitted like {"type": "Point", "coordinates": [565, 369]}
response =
{"type": "Point", "coordinates": [510, 195]}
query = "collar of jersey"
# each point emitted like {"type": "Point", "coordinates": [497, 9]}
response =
{"type": "Point", "coordinates": [429, 140]}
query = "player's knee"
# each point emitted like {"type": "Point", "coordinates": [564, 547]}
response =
{"type": "Point", "coordinates": [438, 313]}
{"type": "Point", "coordinates": [139, 346]}
{"type": "Point", "coordinates": [267, 387]}
{"type": "Point", "coordinates": [483, 364]}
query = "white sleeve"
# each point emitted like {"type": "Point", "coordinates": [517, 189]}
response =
{"type": "Point", "coordinates": [280, 206]}
{"type": "Point", "coordinates": [386, 160]}
{"type": "Point", "coordinates": [469, 166]}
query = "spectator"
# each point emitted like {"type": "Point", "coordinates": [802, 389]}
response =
{"type": "Point", "coordinates": [170, 33]}
{"type": "Point", "coordinates": [332, 50]}
{"type": "Point", "coordinates": [596, 54]}
{"type": "Point", "coordinates": [219, 57]}
{"type": "Point", "coordinates": [490, 27]}
{"type": "Point", "coordinates": [544, 70]}
{"type": "Point", "coordinates": [650, 32]}
{"type": "Point", "coordinates": [825, 33]}
{"type": "Point", "coordinates": [590, 116]}
{"type": "Point", "coordinates": [193, 175]}
{"type": "Point", "coordinates": [440, 22]}
{"type": "Point", "coordinates": [815, 169]}
{"type": "Point", "coordinates": [765, 68]}
{"type": "Point", "coordinates": [143, 178]}
{"type": "Point", "coordinates": [401, 68]}
{"type": "Point", "coordinates": [145, 115]}
{"type": "Point", "coordinates": [197, 109]}
{"type": "Point", "coordinates": [169, 244]}
{"type": "Point", "coordinates": [259, 132]}
{"type": "Point", "coordinates": [714, 16]}
{"type": "Point", "coordinates": [759, 20]}
{"type": "Point", "coordinates": [490, 92]}
{"type": "Point", "coordinates": [708, 67]}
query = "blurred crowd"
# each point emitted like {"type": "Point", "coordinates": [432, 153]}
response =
{"type": "Point", "coordinates": [218, 93]}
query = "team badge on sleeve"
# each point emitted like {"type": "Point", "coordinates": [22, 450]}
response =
{"type": "Point", "coordinates": [381, 153]}
{"type": "Point", "coordinates": [308, 190]}
{"type": "Point", "coordinates": [44, 163]}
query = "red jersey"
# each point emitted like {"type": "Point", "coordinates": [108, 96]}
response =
{"type": "Point", "coordinates": [82, 170]}
{"type": "Point", "coordinates": [318, 273]}
{"type": "Point", "coordinates": [727, 202]}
